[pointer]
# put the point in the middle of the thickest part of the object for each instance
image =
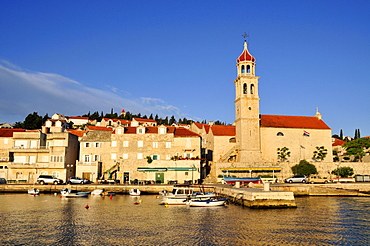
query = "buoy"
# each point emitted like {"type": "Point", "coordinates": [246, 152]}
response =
{"type": "Point", "coordinates": [166, 205]}
{"type": "Point", "coordinates": [136, 203]}
{"type": "Point", "coordinates": [140, 201]}
{"type": "Point", "coordinates": [60, 196]}
{"type": "Point", "coordinates": [111, 197]}
{"type": "Point", "coordinates": [87, 206]}
{"type": "Point", "coordinates": [157, 197]}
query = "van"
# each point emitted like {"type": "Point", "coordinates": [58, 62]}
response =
{"type": "Point", "coordinates": [2, 181]}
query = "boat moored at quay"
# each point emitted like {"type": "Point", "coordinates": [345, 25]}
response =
{"type": "Point", "coordinates": [183, 193]}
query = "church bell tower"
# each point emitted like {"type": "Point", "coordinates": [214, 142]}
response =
{"type": "Point", "coordinates": [247, 111]}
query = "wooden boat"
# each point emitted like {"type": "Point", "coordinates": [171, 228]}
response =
{"type": "Point", "coordinates": [135, 192]}
{"type": "Point", "coordinates": [242, 180]}
{"type": "Point", "coordinates": [73, 193]}
{"type": "Point", "coordinates": [182, 193]}
{"type": "Point", "coordinates": [212, 202]}
{"type": "Point", "coordinates": [33, 191]}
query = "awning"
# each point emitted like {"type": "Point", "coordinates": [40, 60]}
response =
{"type": "Point", "coordinates": [251, 170]}
{"type": "Point", "coordinates": [181, 168]}
{"type": "Point", "coordinates": [165, 169]}
{"type": "Point", "coordinates": [151, 169]}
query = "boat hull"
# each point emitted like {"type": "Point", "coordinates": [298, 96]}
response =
{"type": "Point", "coordinates": [135, 192]}
{"type": "Point", "coordinates": [33, 191]}
{"type": "Point", "coordinates": [207, 203]}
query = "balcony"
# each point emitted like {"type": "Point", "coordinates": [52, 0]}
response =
{"type": "Point", "coordinates": [26, 165]}
{"type": "Point", "coordinates": [22, 149]}
{"type": "Point", "coordinates": [93, 163]}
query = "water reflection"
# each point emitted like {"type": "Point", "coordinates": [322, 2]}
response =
{"type": "Point", "coordinates": [51, 220]}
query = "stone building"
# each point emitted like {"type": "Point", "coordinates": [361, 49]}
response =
{"type": "Point", "coordinates": [159, 154]}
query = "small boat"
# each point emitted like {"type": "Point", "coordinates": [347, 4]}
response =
{"type": "Point", "coordinates": [33, 191]}
{"type": "Point", "coordinates": [73, 193]}
{"type": "Point", "coordinates": [97, 192]}
{"type": "Point", "coordinates": [135, 192]}
{"type": "Point", "coordinates": [242, 180]}
{"type": "Point", "coordinates": [182, 193]}
{"type": "Point", "coordinates": [212, 202]}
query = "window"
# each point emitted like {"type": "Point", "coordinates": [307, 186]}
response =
{"type": "Point", "coordinates": [187, 155]}
{"type": "Point", "coordinates": [125, 143]}
{"type": "Point", "coordinates": [280, 134]}
{"type": "Point", "coordinates": [245, 89]}
{"type": "Point", "coordinates": [125, 156]}
{"type": "Point", "coordinates": [168, 157]}
{"type": "Point", "coordinates": [45, 159]}
{"type": "Point", "coordinates": [87, 145]}
{"type": "Point", "coordinates": [168, 145]}
{"type": "Point", "coordinates": [113, 156]}
{"type": "Point", "coordinates": [119, 131]}
{"type": "Point", "coordinates": [114, 143]}
{"type": "Point", "coordinates": [56, 174]}
{"type": "Point", "coordinates": [139, 156]}
{"type": "Point", "coordinates": [155, 157]}
{"type": "Point", "coordinates": [232, 140]}
{"type": "Point", "coordinates": [96, 158]}
{"type": "Point", "coordinates": [6, 141]}
{"type": "Point", "coordinates": [86, 158]}
{"type": "Point", "coordinates": [252, 88]}
{"type": "Point", "coordinates": [56, 158]}
{"type": "Point", "coordinates": [97, 145]}
{"type": "Point", "coordinates": [155, 144]}
{"type": "Point", "coordinates": [140, 143]}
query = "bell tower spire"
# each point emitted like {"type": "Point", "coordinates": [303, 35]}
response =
{"type": "Point", "coordinates": [247, 112]}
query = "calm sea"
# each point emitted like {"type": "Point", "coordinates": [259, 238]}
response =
{"type": "Point", "coordinates": [51, 220]}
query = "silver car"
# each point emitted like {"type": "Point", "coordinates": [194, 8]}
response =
{"type": "Point", "coordinates": [297, 179]}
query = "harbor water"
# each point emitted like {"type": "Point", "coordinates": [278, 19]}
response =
{"type": "Point", "coordinates": [124, 220]}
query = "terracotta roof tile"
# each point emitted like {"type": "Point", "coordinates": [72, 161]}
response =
{"type": "Point", "coordinates": [78, 133]}
{"type": "Point", "coordinates": [223, 130]}
{"type": "Point", "coordinates": [184, 132]}
{"type": "Point", "coordinates": [144, 120]}
{"type": "Point", "coordinates": [282, 121]}
{"type": "Point", "coordinates": [8, 133]}
{"type": "Point", "coordinates": [99, 128]}
{"type": "Point", "coordinates": [338, 142]}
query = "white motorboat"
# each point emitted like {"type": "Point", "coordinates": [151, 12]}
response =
{"type": "Point", "coordinates": [212, 202]}
{"type": "Point", "coordinates": [73, 193]}
{"type": "Point", "coordinates": [182, 193]}
{"type": "Point", "coordinates": [97, 192]}
{"type": "Point", "coordinates": [135, 192]}
{"type": "Point", "coordinates": [33, 191]}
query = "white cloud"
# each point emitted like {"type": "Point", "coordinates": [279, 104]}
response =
{"type": "Point", "coordinates": [23, 92]}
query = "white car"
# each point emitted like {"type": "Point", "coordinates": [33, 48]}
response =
{"type": "Point", "coordinates": [49, 179]}
{"type": "Point", "coordinates": [77, 180]}
{"type": "Point", "coordinates": [297, 179]}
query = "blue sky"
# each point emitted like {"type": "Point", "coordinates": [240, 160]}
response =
{"type": "Point", "coordinates": [178, 58]}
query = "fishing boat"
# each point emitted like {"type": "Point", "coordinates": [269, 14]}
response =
{"type": "Point", "coordinates": [134, 192]}
{"type": "Point", "coordinates": [33, 191]}
{"type": "Point", "coordinates": [73, 193]}
{"type": "Point", "coordinates": [182, 193]}
{"type": "Point", "coordinates": [242, 180]}
{"type": "Point", "coordinates": [212, 202]}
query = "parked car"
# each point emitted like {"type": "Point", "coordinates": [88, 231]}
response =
{"type": "Point", "coordinates": [317, 180]}
{"type": "Point", "coordinates": [49, 179]}
{"type": "Point", "coordinates": [2, 181]}
{"type": "Point", "coordinates": [296, 179]}
{"type": "Point", "coordinates": [77, 180]}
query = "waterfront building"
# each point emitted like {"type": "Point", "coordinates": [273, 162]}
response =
{"type": "Point", "coordinates": [161, 154]}
{"type": "Point", "coordinates": [34, 153]}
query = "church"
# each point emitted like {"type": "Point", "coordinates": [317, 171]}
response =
{"type": "Point", "coordinates": [258, 141]}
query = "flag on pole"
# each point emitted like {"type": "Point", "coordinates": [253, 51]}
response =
{"type": "Point", "coordinates": [305, 133]}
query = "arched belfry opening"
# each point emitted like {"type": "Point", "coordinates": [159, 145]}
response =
{"type": "Point", "coordinates": [243, 69]}
{"type": "Point", "coordinates": [248, 69]}
{"type": "Point", "coordinates": [252, 89]}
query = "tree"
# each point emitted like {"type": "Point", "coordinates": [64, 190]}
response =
{"type": "Point", "coordinates": [343, 172]}
{"type": "Point", "coordinates": [33, 121]}
{"type": "Point", "coordinates": [357, 147]}
{"type": "Point", "coordinates": [283, 154]}
{"type": "Point", "coordinates": [320, 153]}
{"type": "Point", "coordinates": [341, 134]}
{"type": "Point", "coordinates": [304, 168]}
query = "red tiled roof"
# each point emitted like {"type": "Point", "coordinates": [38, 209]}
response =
{"type": "Point", "coordinates": [144, 120]}
{"type": "Point", "coordinates": [99, 128]}
{"type": "Point", "coordinates": [8, 133]}
{"type": "Point", "coordinates": [184, 132]}
{"type": "Point", "coordinates": [338, 142]}
{"type": "Point", "coordinates": [78, 133]}
{"type": "Point", "coordinates": [201, 126]}
{"type": "Point", "coordinates": [245, 56]}
{"type": "Point", "coordinates": [223, 130]}
{"type": "Point", "coordinates": [303, 122]}
{"type": "Point", "coordinates": [77, 117]}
